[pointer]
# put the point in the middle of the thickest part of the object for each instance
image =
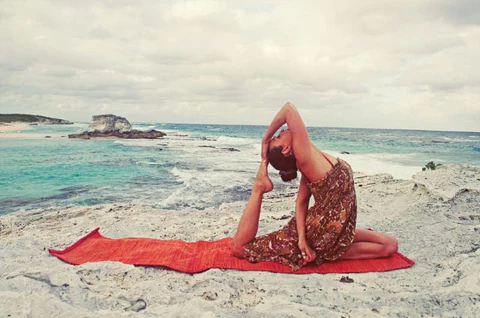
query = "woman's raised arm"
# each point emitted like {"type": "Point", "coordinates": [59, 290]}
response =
{"type": "Point", "coordinates": [289, 115]}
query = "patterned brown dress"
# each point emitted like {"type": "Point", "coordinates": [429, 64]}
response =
{"type": "Point", "coordinates": [329, 224]}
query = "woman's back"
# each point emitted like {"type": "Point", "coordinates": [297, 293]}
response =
{"type": "Point", "coordinates": [318, 166]}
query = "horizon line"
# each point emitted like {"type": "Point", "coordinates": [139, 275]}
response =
{"type": "Point", "coordinates": [312, 126]}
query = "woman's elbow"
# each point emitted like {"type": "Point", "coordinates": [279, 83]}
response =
{"type": "Point", "coordinates": [290, 107]}
{"type": "Point", "coordinates": [302, 203]}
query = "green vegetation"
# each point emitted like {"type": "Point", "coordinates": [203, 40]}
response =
{"type": "Point", "coordinates": [25, 118]}
{"type": "Point", "coordinates": [11, 118]}
{"type": "Point", "coordinates": [431, 166]}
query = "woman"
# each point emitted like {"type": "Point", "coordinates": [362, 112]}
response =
{"type": "Point", "coordinates": [324, 232]}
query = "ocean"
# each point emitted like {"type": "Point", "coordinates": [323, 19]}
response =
{"type": "Point", "coordinates": [194, 166]}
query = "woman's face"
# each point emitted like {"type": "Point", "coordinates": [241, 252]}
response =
{"type": "Point", "coordinates": [282, 139]}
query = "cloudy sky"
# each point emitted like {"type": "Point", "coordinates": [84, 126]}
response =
{"type": "Point", "coordinates": [410, 64]}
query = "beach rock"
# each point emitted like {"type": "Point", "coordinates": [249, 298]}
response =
{"type": "Point", "coordinates": [104, 126]}
{"type": "Point", "coordinates": [224, 148]}
{"type": "Point", "coordinates": [447, 181]}
{"type": "Point", "coordinates": [441, 236]}
{"type": "Point", "coordinates": [137, 305]}
{"type": "Point", "coordinates": [346, 279]}
{"type": "Point", "coordinates": [132, 134]}
{"type": "Point", "coordinates": [105, 123]}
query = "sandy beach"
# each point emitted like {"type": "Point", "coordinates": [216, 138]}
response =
{"type": "Point", "coordinates": [12, 131]}
{"type": "Point", "coordinates": [9, 127]}
{"type": "Point", "coordinates": [435, 216]}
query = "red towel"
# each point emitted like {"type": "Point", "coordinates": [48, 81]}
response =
{"type": "Point", "coordinates": [194, 257]}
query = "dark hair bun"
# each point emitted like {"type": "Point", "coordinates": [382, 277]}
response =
{"type": "Point", "coordinates": [288, 175]}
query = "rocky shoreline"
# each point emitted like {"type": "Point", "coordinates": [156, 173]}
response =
{"type": "Point", "coordinates": [132, 134]}
{"type": "Point", "coordinates": [435, 216]}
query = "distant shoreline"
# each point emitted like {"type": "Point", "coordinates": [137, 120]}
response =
{"type": "Point", "coordinates": [11, 124]}
{"type": "Point", "coordinates": [32, 119]}
{"type": "Point", "coordinates": [10, 131]}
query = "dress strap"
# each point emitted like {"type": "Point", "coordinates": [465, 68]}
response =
{"type": "Point", "coordinates": [327, 159]}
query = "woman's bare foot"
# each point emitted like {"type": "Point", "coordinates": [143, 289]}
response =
{"type": "Point", "coordinates": [263, 183]}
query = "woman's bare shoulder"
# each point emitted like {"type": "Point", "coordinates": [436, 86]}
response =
{"type": "Point", "coordinates": [318, 165]}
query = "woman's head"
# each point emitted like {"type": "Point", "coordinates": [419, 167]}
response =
{"type": "Point", "coordinates": [281, 157]}
{"type": "Point", "coordinates": [286, 164]}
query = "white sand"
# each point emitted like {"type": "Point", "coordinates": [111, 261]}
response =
{"type": "Point", "coordinates": [30, 136]}
{"type": "Point", "coordinates": [12, 131]}
{"type": "Point", "coordinates": [9, 127]}
{"type": "Point", "coordinates": [436, 218]}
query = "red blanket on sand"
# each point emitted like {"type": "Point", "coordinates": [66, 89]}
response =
{"type": "Point", "coordinates": [199, 256]}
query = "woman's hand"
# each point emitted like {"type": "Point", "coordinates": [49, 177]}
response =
{"type": "Point", "coordinates": [307, 253]}
{"type": "Point", "coordinates": [264, 154]}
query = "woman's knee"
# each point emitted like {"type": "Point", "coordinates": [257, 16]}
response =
{"type": "Point", "coordinates": [390, 246]}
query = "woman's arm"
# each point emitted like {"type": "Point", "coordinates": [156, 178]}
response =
{"type": "Point", "coordinates": [289, 115]}
{"type": "Point", "coordinates": [301, 207]}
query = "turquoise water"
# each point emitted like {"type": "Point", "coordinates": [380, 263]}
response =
{"type": "Point", "coordinates": [195, 166]}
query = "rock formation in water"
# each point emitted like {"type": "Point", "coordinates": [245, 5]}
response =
{"type": "Point", "coordinates": [132, 134]}
{"type": "Point", "coordinates": [106, 123]}
{"type": "Point", "coordinates": [104, 126]}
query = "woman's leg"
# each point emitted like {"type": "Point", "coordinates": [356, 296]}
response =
{"type": "Point", "coordinates": [370, 244]}
{"type": "Point", "coordinates": [248, 225]}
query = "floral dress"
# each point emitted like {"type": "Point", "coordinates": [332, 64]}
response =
{"type": "Point", "coordinates": [329, 223]}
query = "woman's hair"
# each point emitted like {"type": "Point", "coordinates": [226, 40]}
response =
{"type": "Point", "coordinates": [287, 165]}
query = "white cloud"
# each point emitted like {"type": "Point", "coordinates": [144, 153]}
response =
{"type": "Point", "coordinates": [388, 64]}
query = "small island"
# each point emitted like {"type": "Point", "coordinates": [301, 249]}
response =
{"type": "Point", "coordinates": [32, 119]}
{"type": "Point", "coordinates": [104, 126]}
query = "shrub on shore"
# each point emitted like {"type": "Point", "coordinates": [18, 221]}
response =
{"type": "Point", "coordinates": [431, 166]}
